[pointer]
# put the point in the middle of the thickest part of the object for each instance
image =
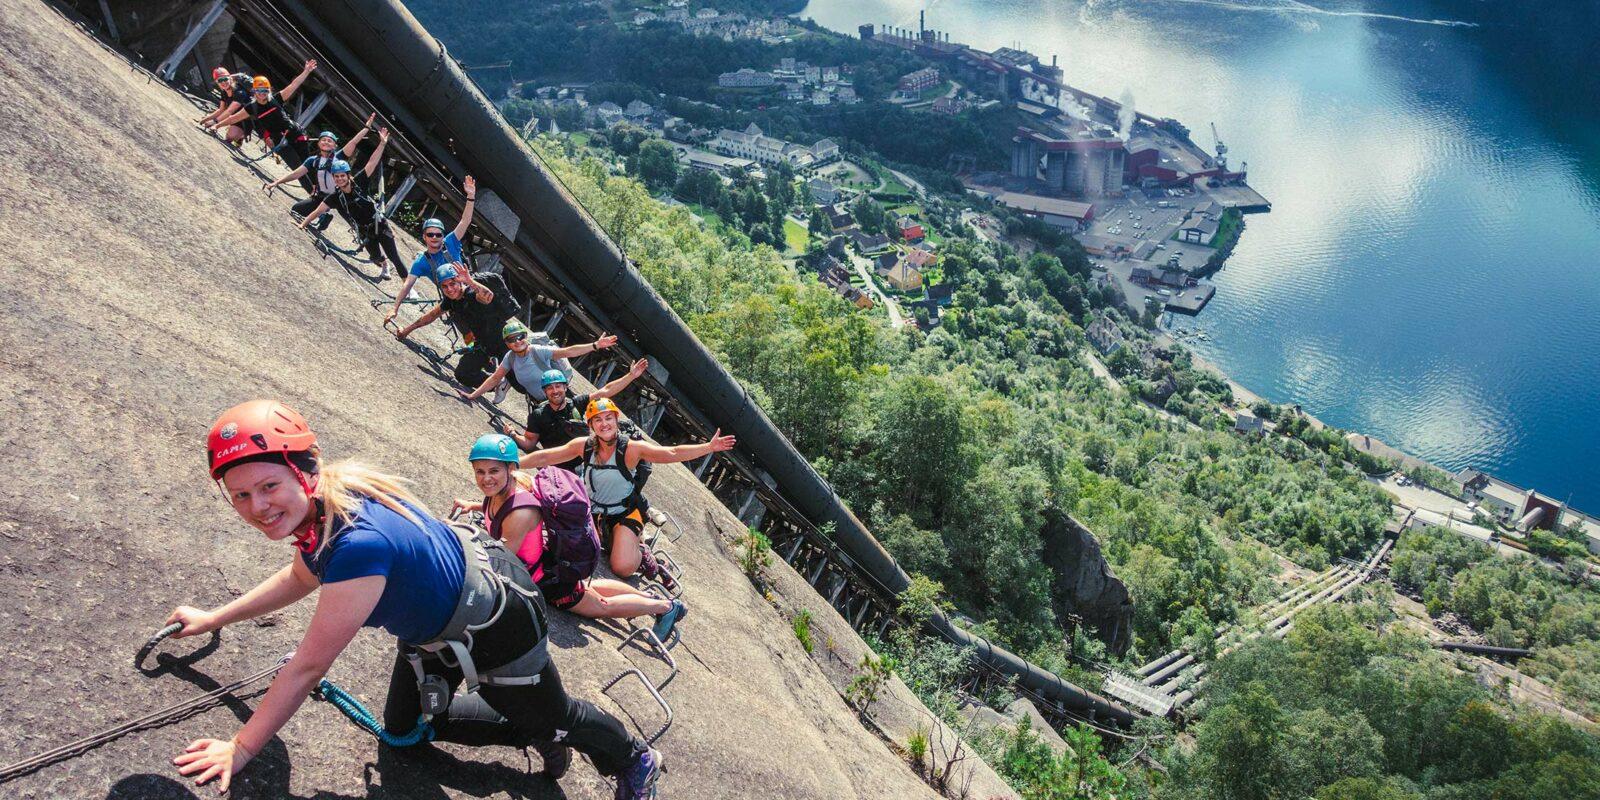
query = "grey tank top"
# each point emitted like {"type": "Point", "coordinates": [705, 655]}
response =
{"type": "Point", "coordinates": [608, 490]}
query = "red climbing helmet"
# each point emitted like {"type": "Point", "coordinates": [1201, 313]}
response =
{"type": "Point", "coordinates": [219, 73]}
{"type": "Point", "coordinates": [256, 428]}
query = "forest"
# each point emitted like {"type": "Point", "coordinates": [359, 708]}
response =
{"type": "Point", "coordinates": [958, 445]}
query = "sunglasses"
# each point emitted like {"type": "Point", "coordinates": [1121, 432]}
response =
{"type": "Point", "coordinates": [433, 235]}
{"type": "Point", "coordinates": [261, 91]}
{"type": "Point", "coordinates": [514, 338]}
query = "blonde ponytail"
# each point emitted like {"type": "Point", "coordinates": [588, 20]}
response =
{"type": "Point", "coordinates": [343, 487]}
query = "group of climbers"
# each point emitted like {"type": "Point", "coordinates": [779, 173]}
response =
{"type": "Point", "coordinates": [467, 604]}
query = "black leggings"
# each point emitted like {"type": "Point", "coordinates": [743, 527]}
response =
{"type": "Point", "coordinates": [294, 152]}
{"type": "Point", "coordinates": [380, 245]}
{"type": "Point", "coordinates": [515, 716]}
{"type": "Point", "coordinates": [308, 205]}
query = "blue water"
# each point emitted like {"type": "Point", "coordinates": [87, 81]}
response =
{"type": "Point", "coordinates": [1428, 272]}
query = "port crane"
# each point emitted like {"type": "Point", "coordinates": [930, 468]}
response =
{"type": "Point", "coordinates": [1222, 149]}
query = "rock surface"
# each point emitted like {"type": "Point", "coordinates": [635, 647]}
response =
{"type": "Point", "coordinates": [151, 284]}
{"type": "Point", "coordinates": [1084, 584]}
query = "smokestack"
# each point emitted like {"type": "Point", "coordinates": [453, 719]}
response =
{"type": "Point", "coordinates": [1052, 60]}
{"type": "Point", "coordinates": [922, 21]}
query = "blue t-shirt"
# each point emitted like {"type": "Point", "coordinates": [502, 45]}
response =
{"type": "Point", "coordinates": [423, 566]}
{"type": "Point", "coordinates": [427, 264]}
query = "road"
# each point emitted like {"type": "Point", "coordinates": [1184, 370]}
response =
{"type": "Point", "coordinates": [911, 183]}
{"type": "Point", "coordinates": [863, 267]}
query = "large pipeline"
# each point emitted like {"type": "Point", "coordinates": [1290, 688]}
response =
{"type": "Point", "coordinates": [407, 71]}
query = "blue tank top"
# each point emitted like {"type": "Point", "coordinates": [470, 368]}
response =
{"type": "Point", "coordinates": [423, 566]}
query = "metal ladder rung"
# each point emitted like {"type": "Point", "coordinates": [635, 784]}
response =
{"type": "Point", "coordinates": [664, 651]}
{"type": "Point", "coordinates": [654, 693]}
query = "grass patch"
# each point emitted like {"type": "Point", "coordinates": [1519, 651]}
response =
{"type": "Point", "coordinates": [795, 236]}
{"type": "Point", "coordinates": [802, 629]}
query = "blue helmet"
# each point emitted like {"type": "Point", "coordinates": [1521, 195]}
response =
{"type": "Point", "coordinates": [494, 447]}
{"type": "Point", "coordinates": [432, 222]}
{"type": "Point", "coordinates": [445, 272]}
{"type": "Point", "coordinates": [328, 135]}
{"type": "Point", "coordinates": [552, 376]}
{"type": "Point", "coordinates": [339, 167]}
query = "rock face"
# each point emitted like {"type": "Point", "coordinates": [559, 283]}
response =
{"type": "Point", "coordinates": [153, 284]}
{"type": "Point", "coordinates": [1083, 583]}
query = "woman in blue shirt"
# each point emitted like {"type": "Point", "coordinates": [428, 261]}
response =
{"type": "Point", "coordinates": [381, 561]}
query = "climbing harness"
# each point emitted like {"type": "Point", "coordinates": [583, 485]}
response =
{"type": "Point", "coordinates": [155, 719]}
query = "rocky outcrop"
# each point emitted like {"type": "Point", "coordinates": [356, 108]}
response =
{"type": "Point", "coordinates": [1083, 584]}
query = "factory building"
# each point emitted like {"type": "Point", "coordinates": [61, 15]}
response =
{"type": "Point", "coordinates": [1084, 166]}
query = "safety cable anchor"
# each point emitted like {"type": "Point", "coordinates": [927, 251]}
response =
{"type": "Point", "coordinates": [654, 694]}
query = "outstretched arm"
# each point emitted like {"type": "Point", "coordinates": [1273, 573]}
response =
{"type": "Point", "coordinates": [488, 383]}
{"type": "Point", "coordinates": [571, 350]}
{"type": "Point", "coordinates": [405, 291]}
{"type": "Point", "coordinates": [426, 319]}
{"type": "Point", "coordinates": [286, 587]}
{"type": "Point", "coordinates": [294, 85]}
{"type": "Point", "coordinates": [554, 455]}
{"type": "Point", "coordinates": [471, 187]}
{"type": "Point", "coordinates": [349, 148]}
{"type": "Point", "coordinates": [618, 384]}
{"type": "Point", "coordinates": [341, 610]}
{"type": "Point", "coordinates": [377, 153]}
{"type": "Point", "coordinates": [293, 176]}
{"type": "Point", "coordinates": [656, 454]}
{"type": "Point", "coordinates": [307, 219]}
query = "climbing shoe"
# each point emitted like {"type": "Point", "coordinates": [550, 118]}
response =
{"type": "Point", "coordinates": [652, 570]}
{"type": "Point", "coordinates": [638, 781]}
{"type": "Point", "coordinates": [557, 758]}
{"type": "Point", "coordinates": [667, 620]}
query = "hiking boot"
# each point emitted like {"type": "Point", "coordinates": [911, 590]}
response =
{"type": "Point", "coordinates": [501, 391]}
{"type": "Point", "coordinates": [667, 620]}
{"type": "Point", "coordinates": [383, 271]}
{"type": "Point", "coordinates": [557, 758]}
{"type": "Point", "coordinates": [652, 570]}
{"type": "Point", "coordinates": [638, 780]}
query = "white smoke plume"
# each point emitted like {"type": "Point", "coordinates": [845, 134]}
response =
{"type": "Point", "coordinates": [1125, 117]}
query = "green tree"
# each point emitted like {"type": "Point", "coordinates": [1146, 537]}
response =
{"type": "Point", "coordinates": [656, 163]}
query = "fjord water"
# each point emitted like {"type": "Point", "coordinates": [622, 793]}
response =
{"type": "Point", "coordinates": [1430, 271]}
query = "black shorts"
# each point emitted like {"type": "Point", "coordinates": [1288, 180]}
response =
{"type": "Point", "coordinates": [563, 595]}
{"type": "Point", "coordinates": [632, 520]}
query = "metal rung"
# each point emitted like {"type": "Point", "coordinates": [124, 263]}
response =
{"type": "Point", "coordinates": [666, 517]}
{"type": "Point", "coordinates": [649, 635]}
{"type": "Point", "coordinates": [666, 562]}
{"type": "Point", "coordinates": [654, 692]}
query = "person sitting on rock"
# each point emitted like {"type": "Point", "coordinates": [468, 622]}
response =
{"type": "Point", "coordinates": [610, 463]}
{"type": "Point", "coordinates": [559, 419]}
{"type": "Point", "coordinates": [320, 168]}
{"type": "Point", "coordinates": [378, 559]}
{"type": "Point", "coordinates": [235, 91]}
{"type": "Point", "coordinates": [439, 248]}
{"type": "Point", "coordinates": [541, 515]}
{"type": "Point", "coordinates": [270, 120]}
{"type": "Point", "coordinates": [527, 362]}
{"type": "Point", "coordinates": [353, 199]}
{"type": "Point", "coordinates": [480, 314]}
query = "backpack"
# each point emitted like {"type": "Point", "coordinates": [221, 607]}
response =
{"type": "Point", "coordinates": [571, 546]}
{"type": "Point", "coordinates": [626, 432]}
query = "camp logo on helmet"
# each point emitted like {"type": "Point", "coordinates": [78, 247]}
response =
{"type": "Point", "coordinates": [221, 454]}
{"type": "Point", "coordinates": [229, 431]}
{"type": "Point", "coordinates": [503, 447]}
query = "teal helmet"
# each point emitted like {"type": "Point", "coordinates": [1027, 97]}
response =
{"type": "Point", "coordinates": [339, 167]}
{"type": "Point", "coordinates": [494, 447]}
{"type": "Point", "coordinates": [552, 376]}
{"type": "Point", "coordinates": [432, 222]}
{"type": "Point", "coordinates": [445, 272]}
{"type": "Point", "coordinates": [328, 135]}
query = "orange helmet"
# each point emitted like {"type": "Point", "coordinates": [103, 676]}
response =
{"type": "Point", "coordinates": [598, 407]}
{"type": "Point", "coordinates": [257, 428]}
{"type": "Point", "coordinates": [260, 82]}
